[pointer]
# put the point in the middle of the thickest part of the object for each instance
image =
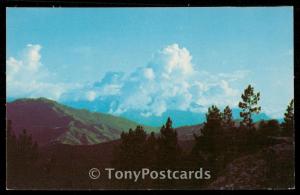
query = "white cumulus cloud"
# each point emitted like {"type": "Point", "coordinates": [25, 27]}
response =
{"type": "Point", "coordinates": [26, 77]}
{"type": "Point", "coordinates": [169, 81]}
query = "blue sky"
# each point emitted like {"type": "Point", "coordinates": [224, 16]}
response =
{"type": "Point", "coordinates": [213, 53]}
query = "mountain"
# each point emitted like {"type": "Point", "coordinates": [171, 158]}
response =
{"type": "Point", "coordinates": [48, 121]}
{"type": "Point", "coordinates": [179, 117]}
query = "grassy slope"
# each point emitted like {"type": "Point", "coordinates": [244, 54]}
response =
{"type": "Point", "coordinates": [95, 118]}
{"type": "Point", "coordinates": [92, 124]}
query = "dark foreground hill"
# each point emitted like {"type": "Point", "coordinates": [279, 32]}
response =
{"type": "Point", "coordinates": [271, 167]}
{"type": "Point", "coordinates": [62, 166]}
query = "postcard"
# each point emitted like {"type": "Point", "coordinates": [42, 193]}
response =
{"type": "Point", "coordinates": [190, 98]}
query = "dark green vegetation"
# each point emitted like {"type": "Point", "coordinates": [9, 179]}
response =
{"type": "Point", "coordinates": [22, 154]}
{"type": "Point", "coordinates": [245, 156]}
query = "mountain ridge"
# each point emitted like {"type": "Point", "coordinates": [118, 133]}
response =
{"type": "Point", "coordinates": [49, 121]}
{"type": "Point", "coordinates": [179, 117]}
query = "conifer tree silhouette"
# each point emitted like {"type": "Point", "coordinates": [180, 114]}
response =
{"type": "Point", "coordinates": [227, 118]}
{"type": "Point", "coordinates": [131, 149]}
{"type": "Point", "coordinates": [168, 148]}
{"type": "Point", "coordinates": [288, 124]}
{"type": "Point", "coordinates": [22, 153]}
{"type": "Point", "coordinates": [211, 134]}
{"type": "Point", "coordinates": [249, 106]}
{"type": "Point", "coordinates": [151, 150]}
{"type": "Point", "coordinates": [248, 137]}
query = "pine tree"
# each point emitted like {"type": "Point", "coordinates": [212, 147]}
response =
{"type": "Point", "coordinates": [11, 144]}
{"type": "Point", "coordinates": [229, 135]}
{"type": "Point", "coordinates": [11, 138]}
{"type": "Point", "coordinates": [210, 144]}
{"type": "Point", "coordinates": [288, 124]}
{"type": "Point", "coordinates": [131, 149]}
{"type": "Point", "coordinates": [168, 148]}
{"type": "Point", "coordinates": [22, 154]}
{"type": "Point", "coordinates": [151, 150]}
{"type": "Point", "coordinates": [213, 132]}
{"type": "Point", "coordinates": [213, 122]}
{"type": "Point", "coordinates": [249, 106]}
{"type": "Point", "coordinates": [28, 150]}
{"type": "Point", "coordinates": [227, 119]}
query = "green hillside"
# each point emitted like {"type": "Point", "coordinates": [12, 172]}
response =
{"type": "Point", "coordinates": [84, 127]}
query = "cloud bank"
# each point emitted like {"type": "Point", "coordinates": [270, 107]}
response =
{"type": "Point", "coordinates": [27, 77]}
{"type": "Point", "coordinates": [170, 81]}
